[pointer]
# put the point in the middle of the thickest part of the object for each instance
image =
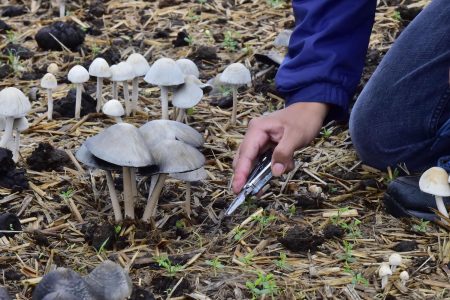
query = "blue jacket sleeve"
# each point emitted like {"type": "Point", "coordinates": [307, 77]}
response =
{"type": "Point", "coordinates": [326, 52]}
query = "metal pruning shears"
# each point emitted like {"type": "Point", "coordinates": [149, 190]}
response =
{"type": "Point", "coordinates": [257, 179]}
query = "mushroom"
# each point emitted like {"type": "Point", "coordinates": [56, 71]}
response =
{"type": "Point", "coordinates": [282, 39]}
{"type": "Point", "coordinates": [114, 92]}
{"type": "Point", "coordinates": [188, 177]}
{"type": "Point", "coordinates": [123, 72]}
{"type": "Point", "coordinates": [20, 124]}
{"type": "Point", "coordinates": [62, 8]}
{"type": "Point", "coordinates": [109, 281]}
{"type": "Point", "coordinates": [235, 75]}
{"type": "Point", "coordinates": [164, 73]}
{"type": "Point", "coordinates": [78, 75]}
{"type": "Point", "coordinates": [404, 277]}
{"type": "Point", "coordinates": [83, 155]}
{"type": "Point", "coordinates": [181, 158]}
{"type": "Point", "coordinates": [49, 83]}
{"type": "Point", "coordinates": [187, 95]}
{"type": "Point", "coordinates": [434, 181]}
{"type": "Point", "coordinates": [53, 68]}
{"type": "Point", "coordinates": [64, 281]}
{"type": "Point", "coordinates": [384, 272]}
{"type": "Point", "coordinates": [140, 67]}
{"type": "Point", "coordinates": [395, 260]}
{"type": "Point", "coordinates": [13, 104]}
{"type": "Point", "coordinates": [188, 67]}
{"type": "Point", "coordinates": [4, 294]}
{"type": "Point", "coordinates": [99, 68]}
{"type": "Point", "coordinates": [122, 144]}
{"type": "Point", "coordinates": [113, 109]}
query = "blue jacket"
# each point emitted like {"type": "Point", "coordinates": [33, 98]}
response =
{"type": "Point", "coordinates": [326, 52]}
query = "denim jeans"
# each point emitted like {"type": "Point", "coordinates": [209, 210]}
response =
{"type": "Point", "coordinates": [403, 113]}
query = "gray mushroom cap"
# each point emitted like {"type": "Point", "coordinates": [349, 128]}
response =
{"type": "Point", "coordinates": [157, 130]}
{"type": "Point", "coordinates": [109, 281]}
{"type": "Point", "coordinates": [123, 71]}
{"type": "Point", "coordinates": [174, 156]}
{"type": "Point", "coordinates": [99, 68]}
{"type": "Point", "coordinates": [120, 144]}
{"type": "Point", "coordinates": [236, 74]}
{"type": "Point", "coordinates": [188, 94]}
{"type": "Point", "coordinates": [196, 175]}
{"type": "Point", "coordinates": [164, 72]}
{"type": "Point", "coordinates": [139, 63]}
{"type": "Point", "coordinates": [4, 294]}
{"type": "Point", "coordinates": [60, 295]}
{"type": "Point", "coordinates": [188, 67]}
{"type": "Point", "coordinates": [13, 103]}
{"type": "Point", "coordinates": [84, 156]}
{"type": "Point", "coordinates": [64, 280]}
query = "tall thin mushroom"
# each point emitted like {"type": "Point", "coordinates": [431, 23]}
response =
{"type": "Point", "coordinates": [123, 72]}
{"type": "Point", "coordinates": [49, 83]}
{"type": "Point", "coordinates": [140, 66]}
{"type": "Point", "coordinates": [164, 73]}
{"type": "Point", "coordinates": [99, 68]}
{"type": "Point", "coordinates": [235, 75]}
{"type": "Point", "coordinates": [78, 75]}
{"type": "Point", "coordinates": [187, 95]}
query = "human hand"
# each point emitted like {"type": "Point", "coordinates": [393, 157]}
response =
{"type": "Point", "coordinates": [288, 129]}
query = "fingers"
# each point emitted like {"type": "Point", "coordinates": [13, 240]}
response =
{"type": "Point", "coordinates": [282, 154]}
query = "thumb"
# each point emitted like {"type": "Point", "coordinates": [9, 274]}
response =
{"type": "Point", "coordinates": [282, 155]}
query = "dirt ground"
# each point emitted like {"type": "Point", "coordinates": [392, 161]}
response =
{"type": "Point", "coordinates": [296, 242]}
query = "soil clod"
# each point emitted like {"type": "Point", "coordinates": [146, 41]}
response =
{"type": "Point", "coordinates": [10, 177]}
{"type": "Point", "coordinates": [9, 222]}
{"type": "Point", "coordinates": [4, 27]}
{"type": "Point", "coordinates": [18, 51]}
{"type": "Point", "coordinates": [14, 11]}
{"type": "Point", "coordinates": [301, 239]}
{"type": "Point", "coordinates": [46, 158]}
{"type": "Point", "coordinates": [222, 102]}
{"type": "Point", "coordinates": [405, 246]}
{"type": "Point", "coordinates": [65, 108]}
{"type": "Point", "coordinates": [141, 294]}
{"type": "Point", "coordinates": [181, 40]}
{"type": "Point", "coordinates": [69, 34]}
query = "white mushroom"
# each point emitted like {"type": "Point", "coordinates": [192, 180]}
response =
{"type": "Point", "coordinates": [49, 83]}
{"type": "Point", "coordinates": [62, 8]}
{"type": "Point", "coordinates": [187, 95]}
{"type": "Point", "coordinates": [52, 68]}
{"type": "Point", "coordinates": [20, 125]}
{"type": "Point", "coordinates": [123, 72]}
{"type": "Point", "coordinates": [113, 109]}
{"type": "Point", "coordinates": [404, 277]}
{"type": "Point", "coordinates": [395, 260]}
{"type": "Point", "coordinates": [384, 272]}
{"type": "Point", "coordinates": [188, 67]}
{"type": "Point", "coordinates": [140, 67]}
{"type": "Point", "coordinates": [164, 73]}
{"type": "Point", "coordinates": [434, 181]}
{"type": "Point", "coordinates": [78, 75]}
{"type": "Point", "coordinates": [99, 68]}
{"type": "Point", "coordinates": [235, 75]}
{"type": "Point", "coordinates": [13, 104]}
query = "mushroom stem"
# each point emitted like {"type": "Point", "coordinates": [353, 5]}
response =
{"type": "Point", "coordinates": [9, 122]}
{"type": "Point", "coordinates": [16, 145]}
{"type": "Point", "coordinates": [126, 98]}
{"type": "Point", "coordinates": [112, 193]}
{"type": "Point", "coordinates": [62, 8]}
{"type": "Point", "coordinates": [118, 120]}
{"type": "Point", "coordinates": [234, 111]}
{"type": "Point", "coordinates": [98, 93]}
{"type": "Point", "coordinates": [384, 281]}
{"type": "Point", "coordinates": [152, 201]}
{"type": "Point", "coordinates": [127, 194]}
{"type": "Point", "coordinates": [135, 94]}
{"type": "Point", "coordinates": [133, 183]}
{"type": "Point", "coordinates": [78, 101]}
{"type": "Point", "coordinates": [49, 105]}
{"type": "Point", "coordinates": [164, 102]}
{"type": "Point", "coordinates": [181, 113]}
{"type": "Point", "coordinates": [440, 206]}
{"type": "Point", "coordinates": [115, 94]}
{"type": "Point", "coordinates": [187, 201]}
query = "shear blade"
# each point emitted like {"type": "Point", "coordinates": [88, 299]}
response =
{"type": "Point", "coordinates": [236, 203]}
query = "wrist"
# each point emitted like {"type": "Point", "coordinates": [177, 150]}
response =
{"type": "Point", "coordinates": [318, 109]}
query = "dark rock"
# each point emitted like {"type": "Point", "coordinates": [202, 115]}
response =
{"type": "Point", "coordinates": [10, 177]}
{"type": "Point", "coordinates": [181, 39]}
{"type": "Point", "coordinates": [99, 236]}
{"type": "Point", "coordinates": [111, 55]}
{"type": "Point", "coordinates": [301, 239]}
{"type": "Point", "coordinates": [13, 11]}
{"type": "Point", "coordinates": [4, 27]}
{"type": "Point", "coordinates": [69, 34]}
{"type": "Point", "coordinates": [5, 71]}
{"type": "Point", "coordinates": [46, 158]}
{"type": "Point", "coordinates": [222, 102]}
{"type": "Point", "coordinates": [6, 162]}
{"type": "Point", "coordinates": [65, 108]}
{"type": "Point", "coordinates": [221, 21]}
{"type": "Point", "coordinates": [141, 294]}
{"type": "Point", "coordinates": [9, 222]}
{"type": "Point", "coordinates": [408, 14]}
{"type": "Point", "coordinates": [18, 50]}
{"type": "Point", "coordinates": [405, 246]}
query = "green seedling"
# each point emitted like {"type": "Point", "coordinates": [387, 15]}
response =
{"type": "Point", "coordinates": [229, 42]}
{"type": "Point", "coordinates": [336, 220]}
{"type": "Point", "coordinates": [95, 50]}
{"type": "Point", "coordinates": [275, 3]}
{"type": "Point", "coordinates": [347, 257]}
{"type": "Point", "coordinates": [282, 262]}
{"type": "Point", "coordinates": [292, 210]}
{"type": "Point", "coordinates": [215, 264]}
{"type": "Point", "coordinates": [264, 222]}
{"type": "Point", "coordinates": [164, 262]}
{"type": "Point", "coordinates": [397, 16]}
{"type": "Point", "coordinates": [247, 259]}
{"type": "Point", "coordinates": [239, 234]}
{"type": "Point", "coordinates": [326, 133]}
{"type": "Point", "coordinates": [392, 175]}
{"type": "Point", "coordinates": [117, 229]}
{"type": "Point", "coordinates": [225, 90]}
{"type": "Point", "coordinates": [180, 224]}
{"type": "Point", "coordinates": [264, 285]}
{"type": "Point", "coordinates": [66, 195]}
{"type": "Point", "coordinates": [190, 111]}
{"type": "Point", "coordinates": [102, 246]}
{"type": "Point", "coordinates": [422, 226]}
{"type": "Point", "coordinates": [11, 37]}
{"type": "Point", "coordinates": [14, 62]}
{"type": "Point", "coordinates": [357, 278]}
{"type": "Point", "coordinates": [190, 40]}
{"type": "Point", "coordinates": [352, 228]}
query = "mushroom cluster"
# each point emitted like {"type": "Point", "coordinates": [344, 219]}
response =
{"type": "Point", "coordinates": [387, 269]}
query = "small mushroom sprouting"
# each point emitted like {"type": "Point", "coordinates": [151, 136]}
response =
{"type": "Point", "coordinates": [140, 67]}
{"type": "Point", "coordinates": [165, 73]}
{"type": "Point", "coordinates": [180, 158]}
{"type": "Point", "coordinates": [83, 155]}
{"type": "Point", "coordinates": [434, 181]}
{"type": "Point", "coordinates": [187, 95]}
{"type": "Point", "coordinates": [99, 68]}
{"type": "Point", "coordinates": [122, 72]}
{"type": "Point", "coordinates": [188, 177]}
{"type": "Point", "coordinates": [49, 83]}
{"type": "Point", "coordinates": [188, 67]}
{"type": "Point", "coordinates": [404, 277]}
{"type": "Point", "coordinates": [114, 109]}
{"type": "Point", "coordinates": [235, 75]}
{"type": "Point", "coordinates": [123, 145]}
{"type": "Point", "coordinates": [384, 272]}
{"type": "Point", "coordinates": [53, 68]}
{"type": "Point", "coordinates": [78, 75]}
{"type": "Point", "coordinates": [109, 281]}
{"type": "Point", "coordinates": [395, 260]}
{"type": "Point", "coordinates": [13, 104]}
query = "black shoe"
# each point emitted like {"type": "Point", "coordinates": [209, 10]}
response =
{"type": "Point", "coordinates": [403, 198]}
